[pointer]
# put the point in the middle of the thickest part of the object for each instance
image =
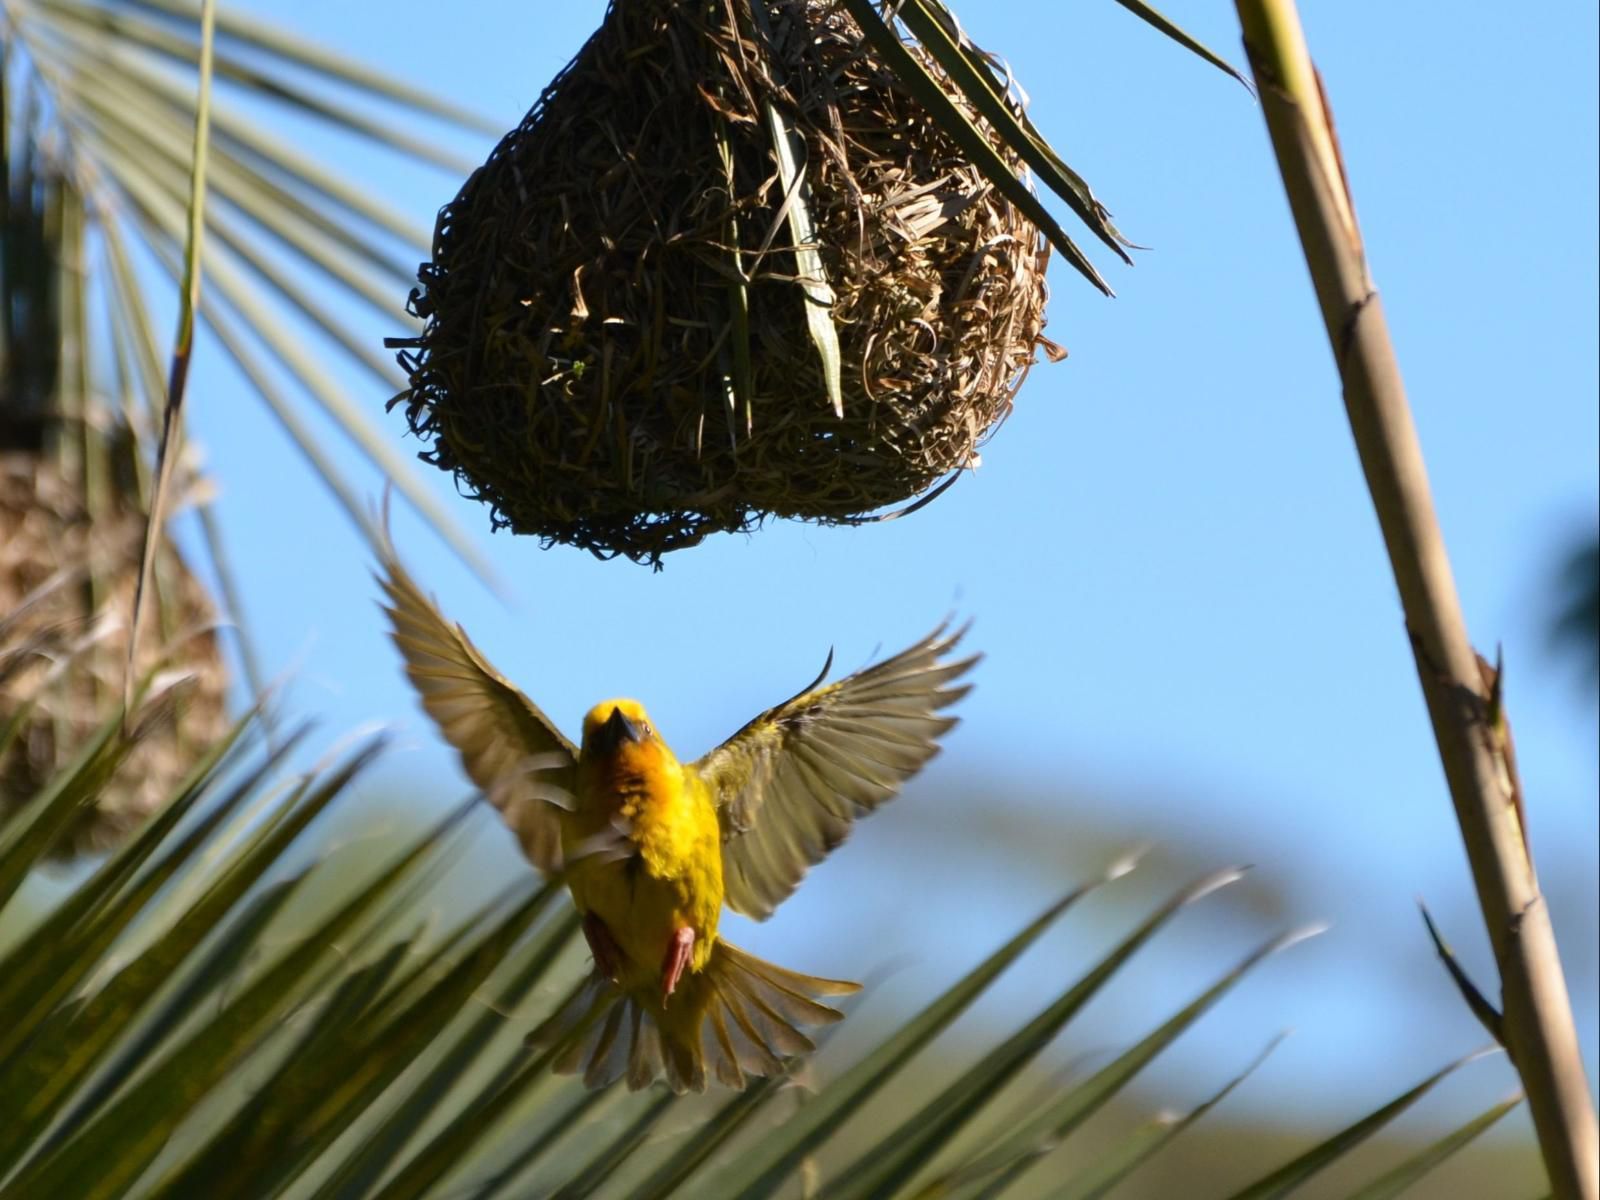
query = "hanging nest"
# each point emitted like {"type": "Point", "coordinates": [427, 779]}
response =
{"type": "Point", "coordinates": [618, 352]}
{"type": "Point", "coordinates": [66, 599]}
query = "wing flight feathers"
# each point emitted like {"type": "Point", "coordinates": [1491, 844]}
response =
{"type": "Point", "coordinates": [508, 746]}
{"type": "Point", "coordinates": [791, 783]}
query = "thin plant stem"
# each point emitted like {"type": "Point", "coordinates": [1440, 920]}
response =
{"type": "Point", "coordinates": [1463, 703]}
{"type": "Point", "coordinates": [183, 344]}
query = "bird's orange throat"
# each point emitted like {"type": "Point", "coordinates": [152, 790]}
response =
{"type": "Point", "coordinates": [637, 781]}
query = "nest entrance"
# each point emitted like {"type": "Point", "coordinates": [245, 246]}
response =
{"type": "Point", "coordinates": [617, 351]}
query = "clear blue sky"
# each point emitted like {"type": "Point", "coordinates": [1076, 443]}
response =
{"type": "Point", "coordinates": [1191, 633]}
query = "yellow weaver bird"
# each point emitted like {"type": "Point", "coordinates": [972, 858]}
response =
{"type": "Point", "coordinates": [652, 848]}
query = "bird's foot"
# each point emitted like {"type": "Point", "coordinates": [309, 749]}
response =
{"type": "Point", "coordinates": [679, 951]}
{"type": "Point", "coordinates": [607, 957]}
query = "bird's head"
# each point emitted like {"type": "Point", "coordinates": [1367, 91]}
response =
{"type": "Point", "coordinates": [613, 726]}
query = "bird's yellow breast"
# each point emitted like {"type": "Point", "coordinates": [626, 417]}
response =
{"type": "Point", "coordinates": [645, 854]}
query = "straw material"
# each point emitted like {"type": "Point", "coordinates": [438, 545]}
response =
{"type": "Point", "coordinates": [65, 648]}
{"type": "Point", "coordinates": [617, 352]}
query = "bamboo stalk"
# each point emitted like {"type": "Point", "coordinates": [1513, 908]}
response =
{"type": "Point", "coordinates": [1468, 722]}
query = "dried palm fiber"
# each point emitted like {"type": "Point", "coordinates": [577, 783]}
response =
{"type": "Point", "coordinates": [71, 532]}
{"type": "Point", "coordinates": [66, 598]}
{"type": "Point", "coordinates": [616, 352]}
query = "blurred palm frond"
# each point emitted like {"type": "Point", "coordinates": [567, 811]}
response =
{"type": "Point", "coordinates": [951, 64]}
{"type": "Point", "coordinates": [223, 1009]}
{"type": "Point", "coordinates": [298, 251]}
{"type": "Point", "coordinates": [98, 106]}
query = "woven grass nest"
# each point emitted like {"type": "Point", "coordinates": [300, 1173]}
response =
{"type": "Point", "coordinates": [617, 352]}
{"type": "Point", "coordinates": [64, 650]}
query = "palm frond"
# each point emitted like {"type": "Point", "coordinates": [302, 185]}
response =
{"type": "Point", "coordinates": [949, 61]}
{"type": "Point", "coordinates": [224, 1009]}
{"type": "Point", "coordinates": [1287, 1178]}
{"type": "Point", "coordinates": [1397, 1180]}
{"type": "Point", "coordinates": [115, 123]}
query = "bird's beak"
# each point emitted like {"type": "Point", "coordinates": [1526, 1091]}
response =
{"type": "Point", "coordinates": [615, 731]}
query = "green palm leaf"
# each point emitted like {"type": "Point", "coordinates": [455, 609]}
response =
{"type": "Point", "coordinates": [1395, 1182]}
{"type": "Point", "coordinates": [1289, 1177]}
{"type": "Point", "coordinates": [221, 1008]}
{"type": "Point", "coordinates": [973, 76]}
{"type": "Point", "coordinates": [123, 123]}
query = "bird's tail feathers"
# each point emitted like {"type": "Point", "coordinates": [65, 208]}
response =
{"type": "Point", "coordinates": [739, 1017]}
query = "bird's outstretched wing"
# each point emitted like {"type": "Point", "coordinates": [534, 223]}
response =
{"type": "Point", "coordinates": [509, 748]}
{"type": "Point", "coordinates": [789, 785]}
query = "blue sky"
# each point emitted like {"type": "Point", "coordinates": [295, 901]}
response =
{"type": "Point", "coordinates": [1191, 634]}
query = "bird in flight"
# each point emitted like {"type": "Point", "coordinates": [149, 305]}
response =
{"type": "Point", "coordinates": [652, 848]}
